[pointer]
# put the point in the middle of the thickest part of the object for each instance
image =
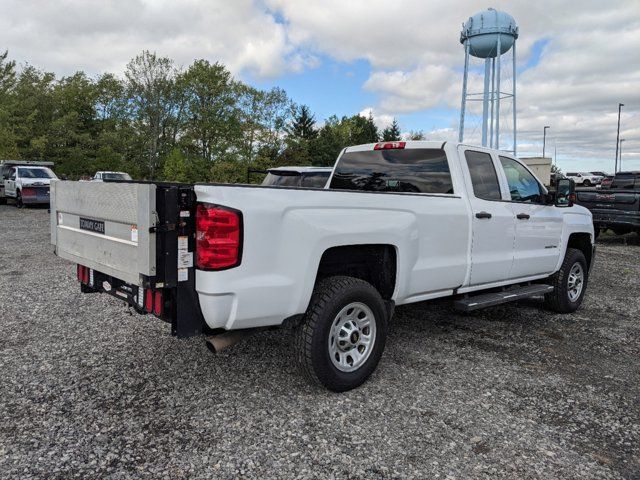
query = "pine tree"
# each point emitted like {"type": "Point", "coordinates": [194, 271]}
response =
{"type": "Point", "coordinates": [303, 124]}
{"type": "Point", "coordinates": [392, 132]}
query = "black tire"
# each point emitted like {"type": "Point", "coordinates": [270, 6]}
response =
{"type": "Point", "coordinates": [559, 299]}
{"type": "Point", "coordinates": [586, 183]}
{"type": "Point", "coordinates": [330, 297]}
{"type": "Point", "coordinates": [596, 233]}
{"type": "Point", "coordinates": [19, 203]}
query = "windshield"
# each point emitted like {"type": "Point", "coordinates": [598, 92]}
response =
{"type": "Point", "coordinates": [35, 172]}
{"type": "Point", "coordinates": [115, 176]}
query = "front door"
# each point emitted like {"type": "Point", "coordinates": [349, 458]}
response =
{"type": "Point", "coordinates": [493, 223]}
{"type": "Point", "coordinates": [538, 225]}
{"type": "Point", "coordinates": [10, 184]}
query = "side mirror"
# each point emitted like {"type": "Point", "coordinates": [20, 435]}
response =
{"type": "Point", "coordinates": [565, 192]}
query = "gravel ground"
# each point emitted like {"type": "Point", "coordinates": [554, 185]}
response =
{"type": "Point", "coordinates": [88, 390]}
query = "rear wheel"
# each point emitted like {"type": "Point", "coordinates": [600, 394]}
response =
{"type": "Point", "coordinates": [342, 336]}
{"type": "Point", "coordinates": [570, 283]}
{"type": "Point", "coordinates": [587, 183]}
{"type": "Point", "coordinates": [596, 233]}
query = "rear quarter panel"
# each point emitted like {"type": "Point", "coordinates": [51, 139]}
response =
{"type": "Point", "coordinates": [286, 232]}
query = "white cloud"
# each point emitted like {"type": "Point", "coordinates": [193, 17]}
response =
{"type": "Point", "coordinates": [69, 35]}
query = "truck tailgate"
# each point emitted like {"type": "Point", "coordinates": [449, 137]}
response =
{"type": "Point", "coordinates": [106, 226]}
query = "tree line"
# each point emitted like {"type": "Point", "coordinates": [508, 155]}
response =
{"type": "Point", "coordinates": [164, 123]}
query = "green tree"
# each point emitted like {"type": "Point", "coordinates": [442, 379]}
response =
{"type": "Point", "coordinates": [8, 146]}
{"type": "Point", "coordinates": [392, 132]}
{"type": "Point", "coordinates": [156, 107]}
{"type": "Point", "coordinates": [212, 127]}
{"type": "Point", "coordinates": [416, 135]}
{"type": "Point", "coordinates": [178, 168]}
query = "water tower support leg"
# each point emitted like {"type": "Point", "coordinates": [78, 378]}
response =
{"type": "Point", "coordinates": [485, 100]}
{"type": "Point", "coordinates": [492, 101]}
{"type": "Point", "coordinates": [498, 70]}
{"type": "Point", "coordinates": [464, 92]}
{"type": "Point", "coordinates": [514, 99]}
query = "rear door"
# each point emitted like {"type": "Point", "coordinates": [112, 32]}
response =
{"type": "Point", "coordinates": [493, 223]}
{"type": "Point", "coordinates": [538, 226]}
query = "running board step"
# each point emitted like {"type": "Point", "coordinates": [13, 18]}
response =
{"type": "Point", "coordinates": [476, 302]}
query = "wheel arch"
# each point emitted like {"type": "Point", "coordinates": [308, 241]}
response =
{"type": "Point", "coordinates": [582, 241]}
{"type": "Point", "coordinates": [376, 264]}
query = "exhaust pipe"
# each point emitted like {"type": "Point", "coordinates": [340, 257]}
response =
{"type": "Point", "coordinates": [222, 341]}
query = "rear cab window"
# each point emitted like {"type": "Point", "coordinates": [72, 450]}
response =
{"type": "Point", "coordinates": [484, 178]}
{"type": "Point", "coordinates": [411, 170]}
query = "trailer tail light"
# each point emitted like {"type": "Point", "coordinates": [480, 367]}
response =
{"type": "Point", "coordinates": [148, 300]}
{"type": "Point", "coordinates": [389, 146]}
{"type": "Point", "coordinates": [157, 303]}
{"type": "Point", "coordinates": [218, 237]}
{"type": "Point", "coordinates": [79, 272]}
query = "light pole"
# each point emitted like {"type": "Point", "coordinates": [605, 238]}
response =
{"type": "Point", "coordinates": [544, 139]}
{"type": "Point", "coordinates": [615, 170]}
{"type": "Point", "coordinates": [620, 154]}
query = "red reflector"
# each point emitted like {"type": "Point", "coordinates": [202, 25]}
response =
{"type": "Point", "coordinates": [218, 237]}
{"type": "Point", "coordinates": [79, 272]}
{"type": "Point", "coordinates": [148, 300]}
{"type": "Point", "coordinates": [157, 303]}
{"type": "Point", "coordinates": [389, 145]}
{"type": "Point", "coordinates": [28, 192]}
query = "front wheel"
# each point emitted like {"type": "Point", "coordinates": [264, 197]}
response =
{"type": "Point", "coordinates": [343, 333]}
{"type": "Point", "coordinates": [19, 202]}
{"type": "Point", "coordinates": [570, 283]}
{"type": "Point", "coordinates": [587, 183]}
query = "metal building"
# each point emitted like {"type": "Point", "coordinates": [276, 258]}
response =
{"type": "Point", "coordinates": [488, 35]}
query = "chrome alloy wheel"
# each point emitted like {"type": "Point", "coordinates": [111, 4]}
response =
{"type": "Point", "coordinates": [575, 282]}
{"type": "Point", "coordinates": [352, 337]}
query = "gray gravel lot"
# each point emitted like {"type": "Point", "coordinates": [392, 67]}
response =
{"type": "Point", "coordinates": [89, 391]}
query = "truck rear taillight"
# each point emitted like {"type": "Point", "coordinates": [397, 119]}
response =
{"type": "Point", "coordinates": [148, 300]}
{"type": "Point", "coordinates": [83, 274]}
{"type": "Point", "coordinates": [389, 145]}
{"type": "Point", "coordinates": [218, 237]}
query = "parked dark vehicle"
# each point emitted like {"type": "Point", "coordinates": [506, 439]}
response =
{"type": "Point", "coordinates": [606, 181]}
{"type": "Point", "coordinates": [617, 209]}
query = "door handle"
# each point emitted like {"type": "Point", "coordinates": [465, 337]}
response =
{"type": "Point", "coordinates": [483, 215]}
{"type": "Point", "coordinates": [523, 216]}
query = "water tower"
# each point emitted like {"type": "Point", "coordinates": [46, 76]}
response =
{"type": "Point", "coordinates": [488, 35]}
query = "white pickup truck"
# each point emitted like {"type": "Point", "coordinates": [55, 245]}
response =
{"type": "Point", "coordinates": [400, 222]}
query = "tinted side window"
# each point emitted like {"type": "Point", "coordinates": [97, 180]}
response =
{"type": "Point", "coordinates": [483, 175]}
{"type": "Point", "coordinates": [315, 180]}
{"type": "Point", "coordinates": [523, 186]}
{"type": "Point", "coordinates": [400, 170]}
